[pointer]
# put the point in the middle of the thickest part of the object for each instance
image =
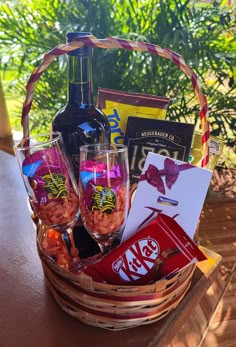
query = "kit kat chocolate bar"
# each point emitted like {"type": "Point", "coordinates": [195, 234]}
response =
{"type": "Point", "coordinates": [171, 139]}
{"type": "Point", "coordinates": [158, 250]}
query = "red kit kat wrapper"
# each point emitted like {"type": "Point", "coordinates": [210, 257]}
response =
{"type": "Point", "coordinates": [158, 250]}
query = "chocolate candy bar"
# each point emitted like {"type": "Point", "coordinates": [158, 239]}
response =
{"type": "Point", "coordinates": [159, 249]}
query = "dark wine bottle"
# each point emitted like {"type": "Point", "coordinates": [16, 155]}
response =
{"type": "Point", "coordinates": [79, 121]}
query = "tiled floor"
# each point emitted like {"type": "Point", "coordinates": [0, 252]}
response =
{"type": "Point", "coordinates": [218, 232]}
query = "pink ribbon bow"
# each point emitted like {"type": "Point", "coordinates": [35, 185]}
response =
{"type": "Point", "coordinates": [171, 172]}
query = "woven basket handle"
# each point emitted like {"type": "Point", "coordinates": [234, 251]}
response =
{"type": "Point", "coordinates": [112, 42]}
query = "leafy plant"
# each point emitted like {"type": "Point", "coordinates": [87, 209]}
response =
{"type": "Point", "coordinates": [202, 33]}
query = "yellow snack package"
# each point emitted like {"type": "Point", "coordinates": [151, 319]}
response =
{"type": "Point", "coordinates": [118, 106]}
{"type": "Point", "coordinates": [216, 146]}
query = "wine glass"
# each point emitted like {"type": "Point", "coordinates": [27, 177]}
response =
{"type": "Point", "coordinates": [50, 184]}
{"type": "Point", "coordinates": [104, 191]}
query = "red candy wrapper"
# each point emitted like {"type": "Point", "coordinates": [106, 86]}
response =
{"type": "Point", "coordinates": [159, 250]}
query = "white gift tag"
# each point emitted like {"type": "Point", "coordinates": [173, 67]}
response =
{"type": "Point", "coordinates": [171, 186]}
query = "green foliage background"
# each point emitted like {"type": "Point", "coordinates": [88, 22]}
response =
{"type": "Point", "coordinates": [203, 33]}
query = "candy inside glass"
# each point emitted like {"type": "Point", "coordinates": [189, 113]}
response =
{"type": "Point", "coordinates": [104, 191]}
{"type": "Point", "coordinates": [50, 184]}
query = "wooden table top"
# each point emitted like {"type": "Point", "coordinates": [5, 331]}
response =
{"type": "Point", "coordinates": [30, 317]}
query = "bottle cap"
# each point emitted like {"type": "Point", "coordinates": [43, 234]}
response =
{"type": "Point", "coordinates": [84, 51]}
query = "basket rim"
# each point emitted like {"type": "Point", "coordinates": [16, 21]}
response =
{"type": "Point", "coordinates": [88, 284]}
{"type": "Point", "coordinates": [110, 312]}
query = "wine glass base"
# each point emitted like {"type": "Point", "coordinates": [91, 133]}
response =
{"type": "Point", "coordinates": [106, 239]}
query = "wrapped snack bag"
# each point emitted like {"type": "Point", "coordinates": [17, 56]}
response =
{"type": "Point", "coordinates": [118, 106]}
{"type": "Point", "coordinates": [216, 146]}
{"type": "Point", "coordinates": [158, 250]}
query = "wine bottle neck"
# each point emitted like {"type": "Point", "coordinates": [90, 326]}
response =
{"type": "Point", "coordinates": [80, 86]}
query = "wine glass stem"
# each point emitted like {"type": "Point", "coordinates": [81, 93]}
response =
{"type": "Point", "coordinates": [105, 248]}
{"type": "Point", "coordinates": [68, 239]}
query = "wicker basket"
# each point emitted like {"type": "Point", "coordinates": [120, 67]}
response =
{"type": "Point", "coordinates": [110, 306]}
{"type": "Point", "coordinates": [103, 305]}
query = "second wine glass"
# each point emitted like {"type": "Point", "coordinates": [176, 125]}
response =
{"type": "Point", "coordinates": [104, 191]}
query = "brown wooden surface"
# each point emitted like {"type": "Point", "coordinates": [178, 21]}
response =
{"type": "Point", "coordinates": [213, 321]}
{"type": "Point", "coordinates": [218, 232]}
{"type": "Point", "coordinates": [29, 316]}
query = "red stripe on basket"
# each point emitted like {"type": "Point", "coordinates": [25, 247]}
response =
{"type": "Point", "coordinates": [205, 137]}
{"type": "Point", "coordinates": [56, 51]}
{"type": "Point", "coordinates": [86, 41]}
{"type": "Point", "coordinates": [125, 44]}
{"type": "Point", "coordinates": [145, 297]}
{"type": "Point", "coordinates": [194, 80]}
{"type": "Point", "coordinates": [25, 111]}
{"type": "Point", "coordinates": [105, 296]}
{"type": "Point", "coordinates": [125, 316]}
{"type": "Point", "coordinates": [175, 58]}
{"type": "Point", "coordinates": [203, 111]}
{"type": "Point", "coordinates": [151, 48]}
{"type": "Point", "coordinates": [33, 78]}
{"type": "Point", "coordinates": [205, 161]}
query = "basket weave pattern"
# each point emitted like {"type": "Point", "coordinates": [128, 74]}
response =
{"type": "Point", "coordinates": [110, 306]}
